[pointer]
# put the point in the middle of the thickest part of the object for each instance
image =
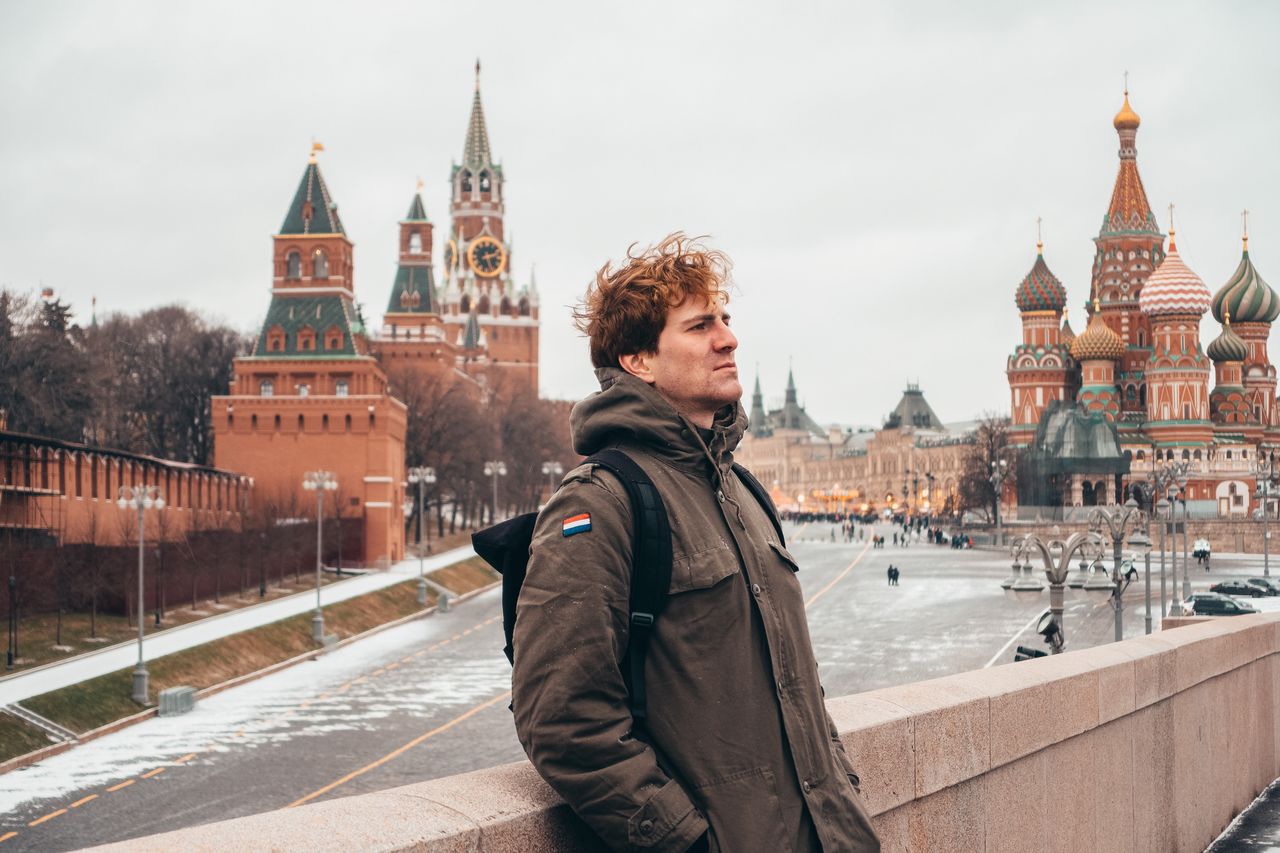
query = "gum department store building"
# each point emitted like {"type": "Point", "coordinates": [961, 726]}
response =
{"type": "Point", "coordinates": [1090, 414]}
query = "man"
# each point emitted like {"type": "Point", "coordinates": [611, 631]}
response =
{"type": "Point", "coordinates": [738, 753]}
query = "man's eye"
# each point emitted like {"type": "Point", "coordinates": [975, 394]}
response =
{"type": "Point", "coordinates": [699, 326]}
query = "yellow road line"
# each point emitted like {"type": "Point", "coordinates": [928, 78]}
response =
{"type": "Point", "coordinates": [80, 802]}
{"type": "Point", "coordinates": [392, 666]}
{"type": "Point", "coordinates": [184, 759]}
{"type": "Point", "coordinates": [49, 816]}
{"type": "Point", "coordinates": [126, 783]}
{"type": "Point", "coordinates": [838, 577]}
{"type": "Point", "coordinates": [155, 772]}
{"type": "Point", "coordinates": [7, 836]}
{"type": "Point", "coordinates": [401, 750]}
{"type": "Point", "coordinates": [406, 659]}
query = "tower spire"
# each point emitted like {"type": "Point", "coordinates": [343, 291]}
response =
{"type": "Point", "coordinates": [1039, 239]}
{"type": "Point", "coordinates": [1244, 217]}
{"type": "Point", "coordinates": [1173, 246]}
{"type": "Point", "coordinates": [476, 151]}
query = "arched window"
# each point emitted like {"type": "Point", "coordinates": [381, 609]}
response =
{"type": "Point", "coordinates": [266, 388]}
{"type": "Point", "coordinates": [301, 423]}
{"type": "Point", "coordinates": [1142, 454]}
{"type": "Point", "coordinates": [319, 264]}
{"type": "Point", "coordinates": [1228, 454]}
{"type": "Point", "coordinates": [253, 422]}
{"type": "Point", "coordinates": [340, 388]}
{"type": "Point", "coordinates": [483, 307]}
{"type": "Point", "coordinates": [1186, 456]}
{"type": "Point", "coordinates": [466, 303]}
{"type": "Point", "coordinates": [524, 307]}
{"type": "Point", "coordinates": [325, 422]}
{"type": "Point", "coordinates": [415, 243]}
{"type": "Point", "coordinates": [1196, 456]}
{"type": "Point", "coordinates": [347, 426]}
{"type": "Point", "coordinates": [277, 423]}
{"type": "Point", "coordinates": [505, 306]}
{"type": "Point", "coordinates": [293, 266]}
{"type": "Point", "coordinates": [1142, 396]}
{"type": "Point", "coordinates": [466, 181]}
{"type": "Point", "coordinates": [484, 182]}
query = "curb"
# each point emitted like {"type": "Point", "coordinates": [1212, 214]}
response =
{"type": "Point", "coordinates": [30, 758]}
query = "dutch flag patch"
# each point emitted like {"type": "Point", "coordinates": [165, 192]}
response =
{"type": "Point", "coordinates": [577, 524]}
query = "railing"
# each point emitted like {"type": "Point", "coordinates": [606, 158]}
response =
{"type": "Point", "coordinates": [1152, 744]}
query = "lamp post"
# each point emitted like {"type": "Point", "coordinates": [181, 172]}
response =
{"type": "Point", "coordinates": [1056, 556]}
{"type": "Point", "coordinates": [141, 499]}
{"type": "Point", "coordinates": [1162, 509]}
{"type": "Point", "coordinates": [1265, 472]}
{"type": "Point", "coordinates": [407, 506]}
{"type": "Point", "coordinates": [319, 482]}
{"type": "Point", "coordinates": [495, 469]}
{"type": "Point", "coordinates": [552, 470]}
{"type": "Point", "coordinates": [999, 473]}
{"type": "Point", "coordinates": [1116, 520]}
{"type": "Point", "coordinates": [422, 476]}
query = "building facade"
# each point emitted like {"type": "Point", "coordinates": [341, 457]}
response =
{"type": "Point", "coordinates": [1139, 365]}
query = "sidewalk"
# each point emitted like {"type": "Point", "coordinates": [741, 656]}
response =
{"type": "Point", "coordinates": [53, 676]}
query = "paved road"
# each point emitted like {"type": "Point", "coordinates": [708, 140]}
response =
{"type": "Point", "coordinates": [428, 698]}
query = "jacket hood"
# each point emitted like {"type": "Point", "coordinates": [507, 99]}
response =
{"type": "Point", "coordinates": [628, 409]}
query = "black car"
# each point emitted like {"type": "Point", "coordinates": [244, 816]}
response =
{"type": "Point", "coordinates": [1220, 607]}
{"type": "Point", "coordinates": [1267, 585]}
{"type": "Point", "coordinates": [1238, 588]}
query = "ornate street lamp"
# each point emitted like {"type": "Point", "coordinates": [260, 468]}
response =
{"type": "Point", "coordinates": [1056, 556]}
{"type": "Point", "coordinates": [1115, 520]}
{"type": "Point", "coordinates": [1264, 472]}
{"type": "Point", "coordinates": [421, 477]}
{"type": "Point", "coordinates": [552, 470]}
{"type": "Point", "coordinates": [999, 473]}
{"type": "Point", "coordinates": [141, 499]}
{"type": "Point", "coordinates": [495, 469]}
{"type": "Point", "coordinates": [319, 482]}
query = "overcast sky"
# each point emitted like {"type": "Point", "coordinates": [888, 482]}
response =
{"type": "Point", "coordinates": [875, 172]}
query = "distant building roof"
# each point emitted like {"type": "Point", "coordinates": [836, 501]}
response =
{"type": "Point", "coordinates": [913, 411]}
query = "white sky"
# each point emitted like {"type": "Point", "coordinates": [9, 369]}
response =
{"type": "Point", "coordinates": [875, 172]}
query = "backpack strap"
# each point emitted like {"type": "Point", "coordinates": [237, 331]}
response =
{"type": "Point", "coordinates": [650, 566]}
{"type": "Point", "coordinates": [762, 497]}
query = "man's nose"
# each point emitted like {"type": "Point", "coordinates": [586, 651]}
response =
{"type": "Point", "coordinates": [725, 341]}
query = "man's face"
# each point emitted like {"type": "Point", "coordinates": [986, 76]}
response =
{"type": "Point", "coordinates": [694, 366]}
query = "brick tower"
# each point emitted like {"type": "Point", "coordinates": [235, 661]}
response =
{"type": "Point", "coordinates": [477, 273]}
{"type": "Point", "coordinates": [311, 396]}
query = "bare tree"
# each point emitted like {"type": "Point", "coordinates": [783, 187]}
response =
{"type": "Point", "coordinates": [990, 449]}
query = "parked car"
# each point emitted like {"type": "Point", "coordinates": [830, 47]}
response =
{"type": "Point", "coordinates": [1219, 606]}
{"type": "Point", "coordinates": [1269, 587]}
{"type": "Point", "coordinates": [1238, 588]}
{"type": "Point", "coordinates": [1187, 605]}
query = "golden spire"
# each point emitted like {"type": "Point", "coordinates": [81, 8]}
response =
{"type": "Point", "coordinates": [1226, 316]}
{"type": "Point", "coordinates": [1173, 246]}
{"type": "Point", "coordinates": [315, 146]}
{"type": "Point", "coordinates": [420, 184]}
{"type": "Point", "coordinates": [1244, 215]}
{"type": "Point", "coordinates": [1126, 118]}
{"type": "Point", "coordinates": [1039, 240]}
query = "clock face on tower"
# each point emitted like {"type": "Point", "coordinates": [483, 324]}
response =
{"type": "Point", "coordinates": [486, 256]}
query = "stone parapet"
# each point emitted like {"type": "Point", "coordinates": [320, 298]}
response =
{"type": "Point", "coordinates": [1152, 744]}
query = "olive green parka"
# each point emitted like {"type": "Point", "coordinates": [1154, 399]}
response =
{"type": "Point", "coordinates": [738, 739]}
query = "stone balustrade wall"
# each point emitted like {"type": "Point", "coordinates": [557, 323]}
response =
{"type": "Point", "coordinates": [1152, 744]}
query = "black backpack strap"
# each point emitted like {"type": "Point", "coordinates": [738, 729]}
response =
{"type": "Point", "coordinates": [650, 565]}
{"type": "Point", "coordinates": [762, 497]}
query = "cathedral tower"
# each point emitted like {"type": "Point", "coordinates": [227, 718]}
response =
{"type": "Point", "coordinates": [1253, 307]}
{"type": "Point", "coordinates": [1040, 369]}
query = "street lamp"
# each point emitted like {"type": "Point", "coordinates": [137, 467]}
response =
{"type": "Point", "coordinates": [495, 469]}
{"type": "Point", "coordinates": [421, 477]}
{"type": "Point", "coordinates": [1264, 472]}
{"type": "Point", "coordinates": [319, 482]}
{"type": "Point", "coordinates": [141, 499]}
{"type": "Point", "coordinates": [1056, 556]}
{"type": "Point", "coordinates": [407, 506]}
{"type": "Point", "coordinates": [552, 470]}
{"type": "Point", "coordinates": [1116, 520]}
{"type": "Point", "coordinates": [1140, 542]}
{"type": "Point", "coordinates": [999, 473]}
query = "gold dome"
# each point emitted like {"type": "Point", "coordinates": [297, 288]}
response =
{"type": "Point", "coordinates": [1126, 119]}
{"type": "Point", "coordinates": [1097, 342]}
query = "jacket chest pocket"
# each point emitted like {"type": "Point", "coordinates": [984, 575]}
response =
{"type": "Point", "coordinates": [703, 569]}
{"type": "Point", "coordinates": [785, 556]}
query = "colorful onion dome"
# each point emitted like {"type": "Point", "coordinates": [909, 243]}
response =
{"type": "Point", "coordinates": [1173, 288]}
{"type": "Point", "coordinates": [1227, 346]}
{"type": "Point", "coordinates": [1040, 290]}
{"type": "Point", "coordinates": [1097, 342]}
{"type": "Point", "coordinates": [1126, 119]}
{"type": "Point", "coordinates": [1067, 334]}
{"type": "Point", "coordinates": [1246, 296]}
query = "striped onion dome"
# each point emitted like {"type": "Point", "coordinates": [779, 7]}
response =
{"type": "Point", "coordinates": [1227, 346]}
{"type": "Point", "coordinates": [1040, 290]}
{"type": "Point", "coordinates": [1173, 288]}
{"type": "Point", "coordinates": [1246, 296]}
{"type": "Point", "coordinates": [1097, 342]}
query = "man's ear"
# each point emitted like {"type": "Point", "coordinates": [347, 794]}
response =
{"type": "Point", "coordinates": [637, 365]}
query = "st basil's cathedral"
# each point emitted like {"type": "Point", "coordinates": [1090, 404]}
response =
{"type": "Point", "coordinates": [1095, 413]}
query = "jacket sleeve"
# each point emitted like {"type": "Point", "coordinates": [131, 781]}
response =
{"type": "Point", "coordinates": [568, 693]}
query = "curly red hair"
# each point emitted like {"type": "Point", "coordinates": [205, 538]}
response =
{"type": "Point", "coordinates": [625, 309]}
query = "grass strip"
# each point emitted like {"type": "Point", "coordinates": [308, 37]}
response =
{"type": "Point", "coordinates": [105, 699]}
{"type": "Point", "coordinates": [18, 737]}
